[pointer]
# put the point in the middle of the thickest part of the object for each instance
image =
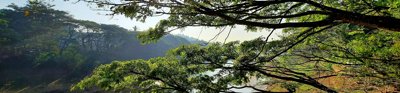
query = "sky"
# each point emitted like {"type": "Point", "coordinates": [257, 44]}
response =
{"type": "Point", "coordinates": [84, 11]}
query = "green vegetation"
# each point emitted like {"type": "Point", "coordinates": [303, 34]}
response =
{"type": "Point", "coordinates": [327, 46]}
{"type": "Point", "coordinates": [46, 50]}
{"type": "Point", "coordinates": [324, 40]}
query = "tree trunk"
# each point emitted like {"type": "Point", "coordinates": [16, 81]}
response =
{"type": "Point", "coordinates": [310, 81]}
{"type": "Point", "coordinates": [383, 22]}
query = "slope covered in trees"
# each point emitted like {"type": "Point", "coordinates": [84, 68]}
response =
{"type": "Point", "coordinates": [357, 40]}
{"type": "Point", "coordinates": [45, 50]}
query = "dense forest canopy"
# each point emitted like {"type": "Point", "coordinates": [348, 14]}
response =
{"type": "Point", "coordinates": [46, 50]}
{"type": "Point", "coordinates": [355, 42]}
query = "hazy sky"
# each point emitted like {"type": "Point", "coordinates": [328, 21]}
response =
{"type": "Point", "coordinates": [83, 11]}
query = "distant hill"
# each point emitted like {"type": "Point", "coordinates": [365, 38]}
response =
{"type": "Point", "coordinates": [132, 49]}
{"type": "Point", "coordinates": [191, 39]}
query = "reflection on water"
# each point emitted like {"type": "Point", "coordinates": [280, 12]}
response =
{"type": "Point", "coordinates": [253, 82]}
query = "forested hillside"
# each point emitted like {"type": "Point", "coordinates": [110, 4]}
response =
{"type": "Point", "coordinates": [46, 50]}
{"type": "Point", "coordinates": [325, 46]}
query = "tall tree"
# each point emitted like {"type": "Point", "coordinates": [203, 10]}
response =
{"type": "Point", "coordinates": [265, 14]}
{"type": "Point", "coordinates": [283, 59]}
